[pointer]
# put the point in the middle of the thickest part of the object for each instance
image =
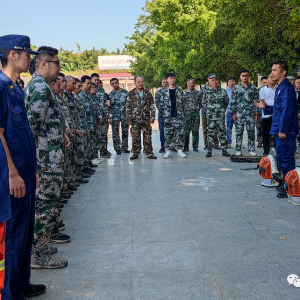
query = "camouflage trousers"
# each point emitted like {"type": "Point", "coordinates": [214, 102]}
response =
{"type": "Point", "coordinates": [97, 139]}
{"type": "Point", "coordinates": [259, 129]}
{"type": "Point", "coordinates": [191, 123]}
{"type": "Point", "coordinates": [103, 132]}
{"type": "Point", "coordinates": [89, 149]}
{"type": "Point", "coordinates": [67, 163]}
{"type": "Point", "coordinates": [79, 155]}
{"type": "Point", "coordinates": [218, 126]}
{"type": "Point", "coordinates": [47, 208]}
{"type": "Point", "coordinates": [71, 158]}
{"type": "Point", "coordinates": [239, 128]}
{"type": "Point", "coordinates": [136, 129]}
{"type": "Point", "coordinates": [174, 134]}
{"type": "Point", "coordinates": [116, 134]}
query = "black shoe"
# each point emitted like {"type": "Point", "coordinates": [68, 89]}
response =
{"type": "Point", "coordinates": [151, 156]}
{"type": "Point", "coordinates": [280, 188]}
{"type": "Point", "coordinates": [259, 145]}
{"type": "Point", "coordinates": [61, 226]}
{"type": "Point", "coordinates": [162, 150]}
{"type": "Point", "coordinates": [195, 150]}
{"type": "Point", "coordinates": [85, 175]}
{"type": "Point", "coordinates": [282, 194]}
{"type": "Point", "coordinates": [105, 155]}
{"type": "Point", "coordinates": [59, 238]}
{"type": "Point", "coordinates": [185, 150]}
{"type": "Point", "coordinates": [118, 152]}
{"type": "Point", "coordinates": [93, 166]}
{"type": "Point", "coordinates": [61, 205]}
{"type": "Point", "coordinates": [88, 170]}
{"type": "Point", "coordinates": [125, 151]}
{"type": "Point", "coordinates": [205, 148]}
{"type": "Point", "coordinates": [34, 290]}
{"type": "Point", "coordinates": [208, 154]}
{"type": "Point", "coordinates": [265, 154]}
{"type": "Point", "coordinates": [217, 147]}
{"type": "Point", "coordinates": [66, 196]}
{"type": "Point", "coordinates": [64, 201]}
{"type": "Point", "coordinates": [83, 180]}
{"type": "Point", "coordinates": [107, 152]}
{"type": "Point", "coordinates": [173, 149]}
{"type": "Point", "coordinates": [72, 188]}
{"type": "Point", "coordinates": [134, 156]}
{"type": "Point", "coordinates": [225, 153]}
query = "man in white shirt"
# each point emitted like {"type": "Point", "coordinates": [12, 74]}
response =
{"type": "Point", "coordinates": [266, 96]}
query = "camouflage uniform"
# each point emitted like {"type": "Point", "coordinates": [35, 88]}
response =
{"type": "Point", "coordinates": [74, 124]}
{"type": "Point", "coordinates": [204, 124]}
{"type": "Point", "coordinates": [215, 103]}
{"type": "Point", "coordinates": [97, 131]}
{"type": "Point", "coordinates": [174, 134]}
{"type": "Point", "coordinates": [117, 111]}
{"type": "Point", "coordinates": [160, 118]}
{"type": "Point", "coordinates": [90, 126]}
{"type": "Point", "coordinates": [192, 117]}
{"type": "Point", "coordinates": [81, 142]}
{"type": "Point", "coordinates": [103, 108]}
{"type": "Point", "coordinates": [242, 105]}
{"type": "Point", "coordinates": [44, 119]}
{"type": "Point", "coordinates": [67, 152]}
{"type": "Point", "coordinates": [139, 112]}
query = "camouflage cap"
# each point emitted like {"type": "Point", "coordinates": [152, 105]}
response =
{"type": "Point", "coordinates": [212, 75]}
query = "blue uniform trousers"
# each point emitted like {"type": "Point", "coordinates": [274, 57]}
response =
{"type": "Point", "coordinates": [229, 125]}
{"type": "Point", "coordinates": [18, 243]}
{"type": "Point", "coordinates": [285, 149]}
{"type": "Point", "coordinates": [161, 123]}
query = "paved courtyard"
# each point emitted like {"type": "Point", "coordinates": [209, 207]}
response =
{"type": "Point", "coordinates": [176, 229]}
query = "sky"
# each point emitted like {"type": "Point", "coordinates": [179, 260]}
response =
{"type": "Point", "coordinates": [63, 23]}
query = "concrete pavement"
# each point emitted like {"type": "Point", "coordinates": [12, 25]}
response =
{"type": "Point", "coordinates": [177, 229]}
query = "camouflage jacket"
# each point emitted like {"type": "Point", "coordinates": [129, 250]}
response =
{"type": "Point", "coordinates": [80, 113]}
{"type": "Point", "coordinates": [88, 110]}
{"type": "Point", "coordinates": [215, 103]}
{"type": "Point", "coordinates": [165, 103]}
{"type": "Point", "coordinates": [95, 109]}
{"type": "Point", "coordinates": [157, 102]}
{"type": "Point", "coordinates": [140, 110]}
{"type": "Point", "coordinates": [102, 99]}
{"type": "Point", "coordinates": [43, 112]}
{"type": "Point", "coordinates": [117, 107]}
{"type": "Point", "coordinates": [242, 100]}
{"type": "Point", "coordinates": [203, 89]}
{"type": "Point", "coordinates": [192, 101]}
{"type": "Point", "coordinates": [65, 109]}
{"type": "Point", "coordinates": [71, 102]}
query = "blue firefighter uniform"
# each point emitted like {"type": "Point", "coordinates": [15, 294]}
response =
{"type": "Point", "coordinates": [285, 120]}
{"type": "Point", "coordinates": [21, 145]}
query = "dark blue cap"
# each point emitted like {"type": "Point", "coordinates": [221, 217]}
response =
{"type": "Point", "coordinates": [16, 42]}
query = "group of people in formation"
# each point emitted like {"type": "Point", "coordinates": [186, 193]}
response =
{"type": "Point", "coordinates": [52, 132]}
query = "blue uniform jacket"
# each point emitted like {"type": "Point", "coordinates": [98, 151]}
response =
{"type": "Point", "coordinates": [17, 132]}
{"type": "Point", "coordinates": [285, 111]}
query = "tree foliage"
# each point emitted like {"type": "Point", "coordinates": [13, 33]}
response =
{"type": "Point", "coordinates": [195, 37]}
{"type": "Point", "coordinates": [86, 60]}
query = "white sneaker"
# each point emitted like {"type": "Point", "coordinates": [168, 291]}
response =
{"type": "Point", "coordinates": [180, 154]}
{"type": "Point", "coordinates": [238, 153]}
{"type": "Point", "coordinates": [168, 154]}
{"type": "Point", "coordinates": [252, 153]}
{"type": "Point", "coordinates": [229, 146]}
